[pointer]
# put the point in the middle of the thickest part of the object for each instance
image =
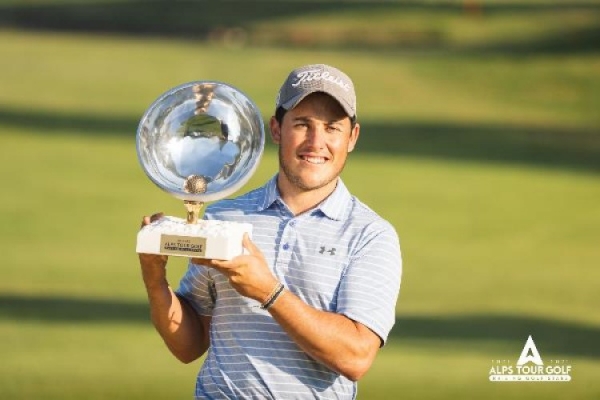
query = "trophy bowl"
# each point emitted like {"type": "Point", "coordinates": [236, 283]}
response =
{"type": "Point", "coordinates": [200, 141]}
{"type": "Point", "coordinates": [207, 129]}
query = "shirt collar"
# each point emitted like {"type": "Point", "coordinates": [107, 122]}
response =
{"type": "Point", "coordinates": [270, 194]}
{"type": "Point", "coordinates": [336, 206]}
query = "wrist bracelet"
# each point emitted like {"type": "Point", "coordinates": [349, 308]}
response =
{"type": "Point", "coordinates": [270, 296]}
{"type": "Point", "coordinates": [274, 295]}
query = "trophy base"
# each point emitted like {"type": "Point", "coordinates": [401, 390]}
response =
{"type": "Point", "coordinates": [213, 239]}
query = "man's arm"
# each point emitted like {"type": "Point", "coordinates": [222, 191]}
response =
{"type": "Point", "coordinates": [185, 332]}
{"type": "Point", "coordinates": [346, 346]}
{"type": "Point", "coordinates": [336, 341]}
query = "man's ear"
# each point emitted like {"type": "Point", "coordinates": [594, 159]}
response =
{"type": "Point", "coordinates": [275, 130]}
{"type": "Point", "coordinates": [353, 137]}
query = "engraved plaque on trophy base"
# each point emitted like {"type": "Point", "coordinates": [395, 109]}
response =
{"type": "Point", "coordinates": [212, 239]}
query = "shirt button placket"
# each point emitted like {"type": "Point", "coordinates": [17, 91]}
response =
{"type": "Point", "coordinates": [287, 239]}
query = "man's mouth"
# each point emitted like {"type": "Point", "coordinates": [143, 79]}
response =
{"type": "Point", "coordinates": [314, 160]}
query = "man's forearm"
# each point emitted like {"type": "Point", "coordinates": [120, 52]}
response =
{"type": "Point", "coordinates": [182, 330]}
{"type": "Point", "coordinates": [336, 341]}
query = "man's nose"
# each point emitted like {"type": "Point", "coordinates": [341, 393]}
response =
{"type": "Point", "coordinates": [316, 136]}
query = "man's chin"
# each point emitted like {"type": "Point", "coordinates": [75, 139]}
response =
{"type": "Point", "coordinates": [307, 179]}
{"type": "Point", "coordinates": [312, 184]}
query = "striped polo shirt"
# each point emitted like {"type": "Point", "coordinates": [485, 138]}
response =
{"type": "Point", "coordinates": [339, 257]}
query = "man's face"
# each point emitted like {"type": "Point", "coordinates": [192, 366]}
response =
{"type": "Point", "coordinates": [314, 140]}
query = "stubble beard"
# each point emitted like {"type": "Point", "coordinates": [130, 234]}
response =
{"type": "Point", "coordinates": [297, 181]}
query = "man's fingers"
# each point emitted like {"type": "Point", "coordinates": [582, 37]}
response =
{"type": "Point", "coordinates": [148, 220]}
{"type": "Point", "coordinates": [223, 264]}
{"type": "Point", "coordinates": [209, 262]}
{"type": "Point", "coordinates": [145, 221]}
{"type": "Point", "coordinates": [156, 217]}
{"type": "Point", "coordinates": [249, 245]}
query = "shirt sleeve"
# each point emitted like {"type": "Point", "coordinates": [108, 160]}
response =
{"type": "Point", "coordinates": [370, 286]}
{"type": "Point", "coordinates": [197, 287]}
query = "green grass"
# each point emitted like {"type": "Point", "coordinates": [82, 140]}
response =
{"type": "Point", "coordinates": [486, 162]}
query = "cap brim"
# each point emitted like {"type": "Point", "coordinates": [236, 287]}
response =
{"type": "Point", "coordinates": [294, 101]}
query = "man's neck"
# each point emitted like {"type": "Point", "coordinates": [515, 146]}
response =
{"type": "Point", "coordinates": [300, 201]}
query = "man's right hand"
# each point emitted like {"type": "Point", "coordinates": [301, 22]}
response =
{"type": "Point", "coordinates": [154, 217]}
{"type": "Point", "coordinates": [153, 265]}
{"type": "Point", "coordinates": [185, 332]}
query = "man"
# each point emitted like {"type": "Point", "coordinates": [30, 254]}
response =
{"type": "Point", "coordinates": [303, 313]}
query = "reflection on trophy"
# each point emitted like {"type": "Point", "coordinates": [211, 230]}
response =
{"type": "Point", "coordinates": [199, 142]}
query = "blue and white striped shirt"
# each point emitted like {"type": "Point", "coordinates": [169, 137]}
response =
{"type": "Point", "coordinates": [339, 257]}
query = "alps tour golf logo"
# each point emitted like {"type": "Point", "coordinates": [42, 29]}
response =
{"type": "Point", "coordinates": [530, 368]}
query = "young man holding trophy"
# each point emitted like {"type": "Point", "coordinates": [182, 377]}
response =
{"type": "Point", "coordinates": [302, 313]}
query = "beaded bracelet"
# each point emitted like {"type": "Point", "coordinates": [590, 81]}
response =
{"type": "Point", "coordinates": [273, 296]}
{"type": "Point", "coordinates": [270, 296]}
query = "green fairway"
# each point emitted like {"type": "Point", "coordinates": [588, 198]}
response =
{"type": "Point", "coordinates": [482, 149]}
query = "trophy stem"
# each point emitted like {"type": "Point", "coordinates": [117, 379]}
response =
{"type": "Point", "coordinates": [194, 184]}
{"type": "Point", "coordinates": [193, 210]}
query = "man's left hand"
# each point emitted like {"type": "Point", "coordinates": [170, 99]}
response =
{"type": "Point", "coordinates": [248, 274]}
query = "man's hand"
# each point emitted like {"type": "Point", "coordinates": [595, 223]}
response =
{"type": "Point", "coordinates": [185, 333]}
{"type": "Point", "coordinates": [248, 274]}
{"type": "Point", "coordinates": [154, 217]}
{"type": "Point", "coordinates": [153, 265]}
{"type": "Point", "coordinates": [336, 341]}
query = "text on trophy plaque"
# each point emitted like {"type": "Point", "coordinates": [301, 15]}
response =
{"type": "Point", "coordinates": [183, 245]}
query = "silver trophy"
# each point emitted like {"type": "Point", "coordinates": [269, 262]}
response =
{"type": "Point", "coordinates": [200, 142]}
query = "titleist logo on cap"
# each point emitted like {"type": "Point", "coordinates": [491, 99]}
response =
{"type": "Point", "coordinates": [316, 75]}
{"type": "Point", "coordinates": [317, 78]}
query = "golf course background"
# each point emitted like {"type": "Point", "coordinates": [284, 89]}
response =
{"type": "Point", "coordinates": [480, 143]}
